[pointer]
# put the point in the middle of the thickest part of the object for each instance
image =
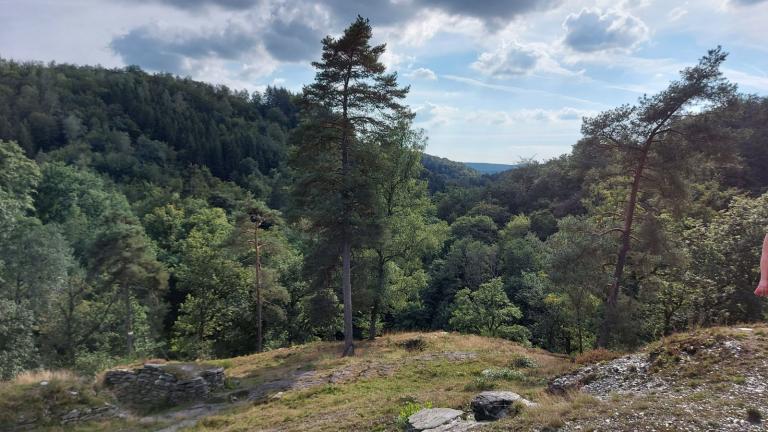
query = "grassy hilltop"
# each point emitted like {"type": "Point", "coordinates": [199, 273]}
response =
{"type": "Point", "coordinates": [703, 380]}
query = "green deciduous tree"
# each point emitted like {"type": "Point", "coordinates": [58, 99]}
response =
{"type": "Point", "coordinates": [17, 345]}
{"type": "Point", "coordinates": [488, 311]}
{"type": "Point", "coordinates": [19, 177]}
{"type": "Point", "coordinates": [215, 286]}
{"type": "Point", "coordinates": [575, 258]}
{"type": "Point", "coordinates": [408, 233]}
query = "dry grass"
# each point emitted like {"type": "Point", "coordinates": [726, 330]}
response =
{"type": "Point", "coordinates": [596, 356]}
{"type": "Point", "coordinates": [553, 411]}
{"type": "Point", "coordinates": [44, 396]}
{"type": "Point", "coordinates": [37, 376]}
{"type": "Point", "coordinates": [427, 375]}
{"type": "Point", "coordinates": [373, 404]}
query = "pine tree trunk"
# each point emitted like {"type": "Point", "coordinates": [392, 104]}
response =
{"type": "Point", "coordinates": [128, 322]}
{"type": "Point", "coordinates": [374, 317]}
{"type": "Point", "coordinates": [611, 301]}
{"type": "Point", "coordinates": [346, 258]}
{"type": "Point", "coordinates": [259, 307]}
{"type": "Point", "coordinates": [346, 288]}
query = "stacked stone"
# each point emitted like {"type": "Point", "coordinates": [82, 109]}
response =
{"type": "Point", "coordinates": [214, 377]}
{"type": "Point", "coordinates": [189, 390]}
{"type": "Point", "coordinates": [155, 384]}
{"type": "Point", "coordinates": [87, 414]}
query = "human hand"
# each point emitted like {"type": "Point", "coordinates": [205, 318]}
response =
{"type": "Point", "coordinates": [762, 289]}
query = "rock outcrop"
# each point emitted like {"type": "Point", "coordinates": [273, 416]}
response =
{"type": "Point", "coordinates": [628, 374]}
{"type": "Point", "coordinates": [164, 384]}
{"type": "Point", "coordinates": [495, 405]}
{"type": "Point", "coordinates": [439, 420]}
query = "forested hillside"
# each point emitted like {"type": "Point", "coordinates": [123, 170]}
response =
{"type": "Point", "coordinates": [146, 215]}
{"type": "Point", "coordinates": [489, 168]}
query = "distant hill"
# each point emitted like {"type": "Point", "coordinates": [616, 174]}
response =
{"type": "Point", "coordinates": [442, 173]}
{"type": "Point", "coordinates": [489, 168]}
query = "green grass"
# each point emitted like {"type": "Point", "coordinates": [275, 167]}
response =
{"type": "Point", "coordinates": [378, 403]}
{"type": "Point", "coordinates": [418, 374]}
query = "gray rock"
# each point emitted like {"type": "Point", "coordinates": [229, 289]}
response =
{"type": "Point", "coordinates": [456, 426]}
{"type": "Point", "coordinates": [625, 375]}
{"type": "Point", "coordinates": [494, 405]}
{"type": "Point", "coordinates": [87, 414]}
{"type": "Point", "coordinates": [160, 384]}
{"type": "Point", "coordinates": [431, 418]}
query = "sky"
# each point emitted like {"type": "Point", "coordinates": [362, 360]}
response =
{"type": "Point", "coordinates": [491, 80]}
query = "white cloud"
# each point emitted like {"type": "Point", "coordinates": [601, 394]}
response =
{"type": "Point", "coordinates": [519, 90]}
{"type": "Point", "coordinates": [677, 13]}
{"type": "Point", "coordinates": [510, 59]}
{"type": "Point", "coordinates": [432, 115]}
{"type": "Point", "coordinates": [593, 30]}
{"type": "Point", "coordinates": [423, 73]}
{"type": "Point", "coordinates": [746, 2]}
{"type": "Point", "coordinates": [754, 82]}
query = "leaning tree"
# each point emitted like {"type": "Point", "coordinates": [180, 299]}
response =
{"type": "Point", "coordinates": [648, 141]}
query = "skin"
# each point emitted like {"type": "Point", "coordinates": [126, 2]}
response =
{"type": "Point", "coordinates": [762, 287]}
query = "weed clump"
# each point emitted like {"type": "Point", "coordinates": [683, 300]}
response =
{"type": "Point", "coordinates": [415, 344]}
{"type": "Point", "coordinates": [480, 383]}
{"type": "Point", "coordinates": [754, 415]}
{"type": "Point", "coordinates": [523, 362]}
{"type": "Point", "coordinates": [502, 374]}
{"type": "Point", "coordinates": [410, 408]}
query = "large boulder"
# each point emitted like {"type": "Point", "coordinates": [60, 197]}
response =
{"type": "Point", "coordinates": [429, 419]}
{"type": "Point", "coordinates": [495, 405]}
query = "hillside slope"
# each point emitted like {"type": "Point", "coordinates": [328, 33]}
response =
{"type": "Point", "coordinates": [310, 387]}
{"type": "Point", "coordinates": [713, 379]}
{"type": "Point", "coordinates": [708, 380]}
{"type": "Point", "coordinates": [489, 168]}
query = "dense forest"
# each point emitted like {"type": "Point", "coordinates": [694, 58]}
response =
{"type": "Point", "coordinates": [147, 215]}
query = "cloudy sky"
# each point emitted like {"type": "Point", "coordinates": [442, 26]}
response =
{"type": "Point", "coordinates": [491, 80]}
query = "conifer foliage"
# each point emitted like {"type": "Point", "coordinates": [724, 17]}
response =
{"type": "Point", "coordinates": [351, 102]}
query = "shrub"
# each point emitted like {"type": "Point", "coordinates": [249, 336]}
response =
{"type": "Point", "coordinates": [480, 383]}
{"type": "Point", "coordinates": [410, 408]}
{"type": "Point", "coordinates": [92, 362]}
{"type": "Point", "coordinates": [502, 374]}
{"type": "Point", "coordinates": [516, 333]}
{"type": "Point", "coordinates": [415, 344]}
{"type": "Point", "coordinates": [523, 362]}
{"type": "Point", "coordinates": [754, 415]}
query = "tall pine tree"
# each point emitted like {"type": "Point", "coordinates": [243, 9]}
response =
{"type": "Point", "coordinates": [352, 97]}
{"type": "Point", "coordinates": [651, 141]}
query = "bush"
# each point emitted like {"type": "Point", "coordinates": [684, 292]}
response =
{"type": "Point", "coordinates": [481, 383]}
{"type": "Point", "coordinates": [410, 408]}
{"type": "Point", "coordinates": [93, 362]}
{"type": "Point", "coordinates": [516, 333]}
{"type": "Point", "coordinates": [754, 415]}
{"type": "Point", "coordinates": [502, 374]}
{"type": "Point", "coordinates": [523, 362]}
{"type": "Point", "coordinates": [416, 344]}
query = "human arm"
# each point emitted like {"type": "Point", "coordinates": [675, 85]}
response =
{"type": "Point", "coordinates": [762, 287]}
